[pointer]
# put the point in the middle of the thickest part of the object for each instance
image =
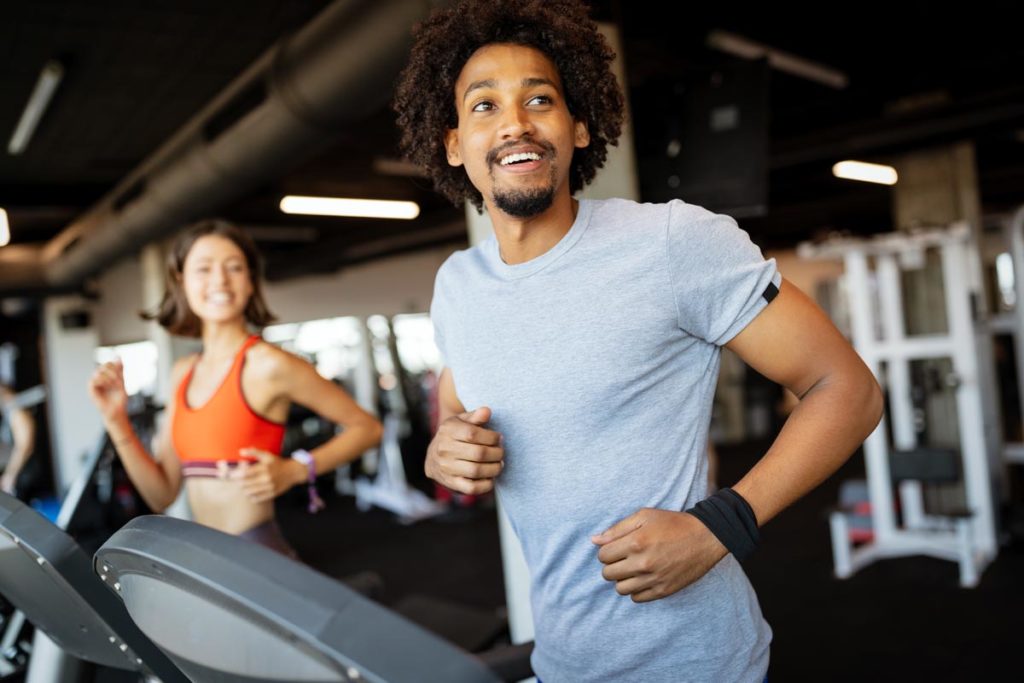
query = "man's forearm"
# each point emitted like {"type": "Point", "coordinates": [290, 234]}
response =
{"type": "Point", "coordinates": [826, 427]}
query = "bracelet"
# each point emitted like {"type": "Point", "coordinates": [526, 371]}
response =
{"type": "Point", "coordinates": [316, 503]}
{"type": "Point", "coordinates": [731, 519]}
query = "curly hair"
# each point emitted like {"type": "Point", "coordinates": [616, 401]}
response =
{"type": "Point", "coordinates": [561, 29]}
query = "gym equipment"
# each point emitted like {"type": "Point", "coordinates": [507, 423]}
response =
{"type": "Point", "coordinates": [45, 574]}
{"type": "Point", "coordinates": [228, 610]}
{"type": "Point", "coordinates": [29, 397]}
{"type": "Point", "coordinates": [966, 535]}
{"type": "Point", "coordinates": [389, 489]}
{"type": "Point", "coordinates": [92, 509]}
{"type": "Point", "coordinates": [1013, 322]}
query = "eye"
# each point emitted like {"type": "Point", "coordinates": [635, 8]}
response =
{"type": "Point", "coordinates": [483, 105]}
{"type": "Point", "coordinates": [540, 99]}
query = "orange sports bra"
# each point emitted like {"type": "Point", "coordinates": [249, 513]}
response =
{"type": "Point", "coordinates": [208, 439]}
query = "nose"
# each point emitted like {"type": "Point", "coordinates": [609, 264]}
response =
{"type": "Point", "coordinates": [220, 274]}
{"type": "Point", "coordinates": [516, 123]}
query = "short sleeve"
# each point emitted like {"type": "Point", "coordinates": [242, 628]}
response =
{"type": "Point", "coordinates": [720, 280]}
{"type": "Point", "coordinates": [438, 314]}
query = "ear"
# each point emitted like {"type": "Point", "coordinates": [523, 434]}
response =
{"type": "Point", "coordinates": [581, 134]}
{"type": "Point", "coordinates": [451, 144]}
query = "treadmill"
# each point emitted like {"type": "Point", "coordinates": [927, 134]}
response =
{"type": "Point", "coordinates": [49, 578]}
{"type": "Point", "coordinates": [227, 610]}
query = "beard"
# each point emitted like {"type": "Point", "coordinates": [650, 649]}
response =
{"type": "Point", "coordinates": [524, 203]}
{"type": "Point", "coordinates": [530, 202]}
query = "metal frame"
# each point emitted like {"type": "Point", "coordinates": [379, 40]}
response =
{"type": "Point", "coordinates": [1014, 452]}
{"type": "Point", "coordinates": [969, 540]}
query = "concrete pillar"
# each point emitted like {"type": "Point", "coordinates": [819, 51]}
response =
{"type": "Point", "coordinates": [169, 348]}
{"type": "Point", "coordinates": [70, 340]}
{"type": "Point", "coordinates": [937, 187]}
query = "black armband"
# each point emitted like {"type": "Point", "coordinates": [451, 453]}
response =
{"type": "Point", "coordinates": [731, 519]}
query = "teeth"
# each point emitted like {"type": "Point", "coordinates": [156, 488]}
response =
{"type": "Point", "coordinates": [522, 156]}
{"type": "Point", "coordinates": [219, 298]}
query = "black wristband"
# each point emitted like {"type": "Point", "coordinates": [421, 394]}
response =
{"type": "Point", "coordinates": [731, 519]}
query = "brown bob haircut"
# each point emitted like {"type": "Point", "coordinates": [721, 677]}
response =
{"type": "Point", "coordinates": [174, 313]}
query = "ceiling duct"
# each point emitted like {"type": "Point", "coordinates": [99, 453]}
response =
{"type": "Point", "coordinates": [337, 69]}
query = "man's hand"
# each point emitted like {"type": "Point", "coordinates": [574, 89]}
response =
{"type": "Point", "coordinates": [464, 455]}
{"type": "Point", "coordinates": [653, 553]}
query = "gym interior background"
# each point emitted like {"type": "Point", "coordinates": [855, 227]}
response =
{"type": "Point", "coordinates": [906, 564]}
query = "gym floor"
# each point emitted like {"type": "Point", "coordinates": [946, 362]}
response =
{"type": "Point", "coordinates": [896, 620]}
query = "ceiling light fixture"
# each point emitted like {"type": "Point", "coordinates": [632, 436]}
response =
{"type": "Point", "coordinates": [49, 79]}
{"type": "Point", "coordinates": [5, 229]}
{"type": "Point", "coordinates": [354, 208]}
{"type": "Point", "coordinates": [868, 173]}
{"type": "Point", "coordinates": [783, 61]}
{"type": "Point", "coordinates": [398, 167]}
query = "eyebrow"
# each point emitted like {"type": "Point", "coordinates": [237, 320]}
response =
{"type": "Point", "coordinates": [207, 259]}
{"type": "Point", "coordinates": [530, 82]}
{"type": "Point", "coordinates": [534, 82]}
{"type": "Point", "coordinates": [476, 85]}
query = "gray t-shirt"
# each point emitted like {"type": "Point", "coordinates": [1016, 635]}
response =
{"type": "Point", "coordinates": [599, 361]}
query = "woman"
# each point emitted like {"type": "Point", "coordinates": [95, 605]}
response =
{"type": "Point", "coordinates": [226, 416]}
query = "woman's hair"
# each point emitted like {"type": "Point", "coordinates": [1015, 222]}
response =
{"type": "Point", "coordinates": [174, 313]}
{"type": "Point", "coordinates": [561, 29]}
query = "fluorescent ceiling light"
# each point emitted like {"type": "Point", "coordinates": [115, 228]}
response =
{"type": "Point", "coordinates": [783, 61]}
{"type": "Point", "coordinates": [5, 229]}
{"type": "Point", "coordinates": [49, 78]}
{"type": "Point", "coordinates": [356, 208]}
{"type": "Point", "coordinates": [398, 167]}
{"type": "Point", "coordinates": [868, 173]}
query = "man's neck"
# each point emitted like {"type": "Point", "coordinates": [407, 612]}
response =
{"type": "Point", "coordinates": [523, 239]}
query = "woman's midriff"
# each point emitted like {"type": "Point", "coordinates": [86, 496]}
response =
{"type": "Point", "coordinates": [223, 505]}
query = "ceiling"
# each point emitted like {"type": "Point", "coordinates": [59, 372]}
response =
{"type": "Point", "coordinates": [135, 73]}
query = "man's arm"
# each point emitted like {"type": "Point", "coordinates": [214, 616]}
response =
{"type": "Point", "coordinates": [654, 553]}
{"type": "Point", "coordinates": [464, 455]}
{"type": "Point", "coordinates": [792, 342]}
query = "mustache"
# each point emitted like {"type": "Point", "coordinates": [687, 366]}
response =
{"type": "Point", "coordinates": [492, 156]}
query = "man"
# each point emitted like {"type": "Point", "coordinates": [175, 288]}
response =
{"type": "Point", "coordinates": [22, 429]}
{"type": "Point", "coordinates": [582, 348]}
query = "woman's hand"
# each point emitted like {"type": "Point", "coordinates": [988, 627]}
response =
{"type": "Point", "coordinates": [269, 476]}
{"type": "Point", "coordinates": [106, 389]}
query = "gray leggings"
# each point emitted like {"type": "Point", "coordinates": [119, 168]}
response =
{"type": "Point", "coordinates": [269, 535]}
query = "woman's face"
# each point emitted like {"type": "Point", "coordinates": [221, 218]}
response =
{"type": "Point", "coordinates": [216, 279]}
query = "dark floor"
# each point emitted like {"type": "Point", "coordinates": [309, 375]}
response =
{"type": "Point", "coordinates": [896, 620]}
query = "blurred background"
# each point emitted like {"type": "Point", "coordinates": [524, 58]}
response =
{"type": "Point", "coordinates": [876, 150]}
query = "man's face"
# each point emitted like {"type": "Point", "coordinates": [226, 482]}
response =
{"type": "Point", "coordinates": [515, 136]}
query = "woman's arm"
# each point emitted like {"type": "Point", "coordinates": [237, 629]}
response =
{"type": "Point", "coordinates": [157, 480]}
{"type": "Point", "coordinates": [299, 382]}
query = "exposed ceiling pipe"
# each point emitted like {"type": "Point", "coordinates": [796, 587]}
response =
{"type": "Point", "coordinates": [336, 70]}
